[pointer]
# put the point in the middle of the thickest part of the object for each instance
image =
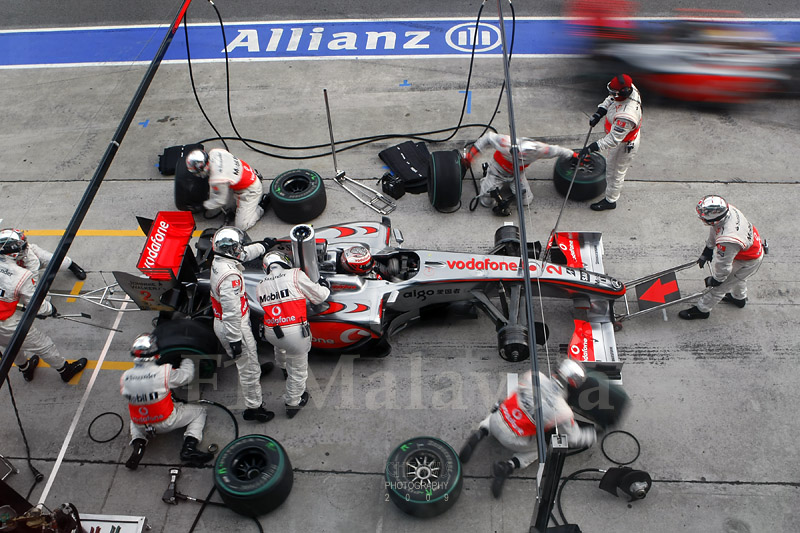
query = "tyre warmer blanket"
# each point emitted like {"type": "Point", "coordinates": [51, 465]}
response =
{"type": "Point", "coordinates": [409, 161]}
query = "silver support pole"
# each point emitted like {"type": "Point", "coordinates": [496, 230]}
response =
{"type": "Point", "coordinates": [524, 240]}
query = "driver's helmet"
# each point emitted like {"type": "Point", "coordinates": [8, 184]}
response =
{"type": "Point", "coordinates": [356, 260]}
{"type": "Point", "coordinates": [12, 242]}
{"type": "Point", "coordinates": [276, 258]}
{"type": "Point", "coordinates": [197, 162]}
{"type": "Point", "coordinates": [228, 241]}
{"type": "Point", "coordinates": [620, 87]}
{"type": "Point", "coordinates": [711, 209]}
{"type": "Point", "coordinates": [145, 347]}
{"type": "Point", "coordinates": [570, 374]}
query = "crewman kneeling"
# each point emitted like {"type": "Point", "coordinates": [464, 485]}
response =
{"type": "Point", "coordinates": [147, 386]}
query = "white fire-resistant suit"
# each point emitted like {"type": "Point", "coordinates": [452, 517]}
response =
{"type": "Point", "coordinates": [16, 291]}
{"type": "Point", "coordinates": [228, 174]}
{"type": "Point", "coordinates": [623, 132]}
{"type": "Point", "coordinates": [738, 253]}
{"type": "Point", "coordinates": [512, 424]}
{"type": "Point", "coordinates": [283, 294]}
{"type": "Point", "coordinates": [35, 258]}
{"type": "Point", "coordinates": [232, 319]}
{"type": "Point", "coordinates": [147, 386]}
{"type": "Point", "coordinates": [501, 169]}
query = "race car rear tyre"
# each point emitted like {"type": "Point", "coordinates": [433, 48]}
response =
{"type": "Point", "coordinates": [253, 475]}
{"type": "Point", "coordinates": [444, 181]}
{"type": "Point", "coordinates": [190, 190]}
{"type": "Point", "coordinates": [590, 181]}
{"type": "Point", "coordinates": [512, 343]}
{"type": "Point", "coordinates": [298, 196]}
{"type": "Point", "coordinates": [180, 337]}
{"type": "Point", "coordinates": [423, 477]}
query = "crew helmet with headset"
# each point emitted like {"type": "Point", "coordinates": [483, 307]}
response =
{"type": "Point", "coordinates": [570, 374]}
{"type": "Point", "coordinates": [711, 209]}
{"type": "Point", "coordinates": [12, 242]}
{"type": "Point", "coordinates": [620, 87]}
{"type": "Point", "coordinates": [145, 347]}
{"type": "Point", "coordinates": [228, 241]}
{"type": "Point", "coordinates": [197, 162]}
{"type": "Point", "coordinates": [276, 258]}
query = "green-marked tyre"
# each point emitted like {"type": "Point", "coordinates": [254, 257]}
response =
{"type": "Point", "coordinates": [180, 337]}
{"type": "Point", "coordinates": [298, 196]}
{"type": "Point", "coordinates": [444, 181]}
{"type": "Point", "coordinates": [423, 477]}
{"type": "Point", "coordinates": [253, 475]}
{"type": "Point", "coordinates": [590, 181]}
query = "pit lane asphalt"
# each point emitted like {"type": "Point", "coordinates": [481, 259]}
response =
{"type": "Point", "coordinates": [713, 400]}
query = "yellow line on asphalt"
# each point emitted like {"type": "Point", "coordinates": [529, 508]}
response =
{"type": "Point", "coordinates": [94, 232]}
{"type": "Point", "coordinates": [76, 289]}
{"type": "Point", "coordinates": [107, 365]}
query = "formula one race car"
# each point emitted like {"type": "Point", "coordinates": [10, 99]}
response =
{"type": "Point", "coordinates": [366, 309]}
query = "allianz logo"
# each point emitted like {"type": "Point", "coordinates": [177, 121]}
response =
{"type": "Point", "coordinates": [320, 38]}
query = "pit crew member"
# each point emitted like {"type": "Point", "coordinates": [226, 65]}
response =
{"type": "Point", "coordinates": [16, 291]}
{"type": "Point", "coordinates": [232, 315]}
{"type": "Point", "coordinates": [14, 243]}
{"type": "Point", "coordinates": [283, 294]}
{"type": "Point", "coordinates": [735, 250]}
{"type": "Point", "coordinates": [512, 421]}
{"type": "Point", "coordinates": [147, 386]}
{"type": "Point", "coordinates": [230, 175]}
{"type": "Point", "coordinates": [622, 110]}
{"type": "Point", "coordinates": [500, 174]}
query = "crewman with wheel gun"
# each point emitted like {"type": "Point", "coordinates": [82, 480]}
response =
{"type": "Point", "coordinates": [232, 315]}
{"type": "Point", "coordinates": [513, 424]}
{"type": "Point", "coordinates": [147, 386]}
{"type": "Point", "coordinates": [283, 294]}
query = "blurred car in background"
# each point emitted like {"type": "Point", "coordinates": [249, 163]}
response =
{"type": "Point", "coordinates": [707, 61]}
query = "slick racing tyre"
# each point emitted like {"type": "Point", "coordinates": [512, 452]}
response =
{"type": "Point", "coordinates": [180, 337]}
{"type": "Point", "coordinates": [444, 181]}
{"type": "Point", "coordinates": [298, 196]}
{"type": "Point", "coordinates": [190, 190]}
{"type": "Point", "coordinates": [599, 400]}
{"type": "Point", "coordinates": [590, 181]}
{"type": "Point", "coordinates": [253, 475]}
{"type": "Point", "coordinates": [423, 477]}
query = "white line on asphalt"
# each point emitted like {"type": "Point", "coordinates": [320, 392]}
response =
{"type": "Point", "coordinates": [82, 405]}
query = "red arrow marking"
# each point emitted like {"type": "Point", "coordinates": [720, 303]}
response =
{"type": "Point", "coordinates": [656, 292]}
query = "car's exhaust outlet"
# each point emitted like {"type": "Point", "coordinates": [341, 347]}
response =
{"type": "Point", "coordinates": [304, 250]}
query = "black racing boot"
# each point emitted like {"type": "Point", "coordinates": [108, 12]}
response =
{"type": "Point", "coordinates": [76, 269]}
{"type": "Point", "coordinates": [285, 373]}
{"type": "Point", "coordinates": [266, 368]}
{"type": "Point", "coordinates": [472, 442]}
{"type": "Point", "coordinates": [500, 471]}
{"type": "Point", "coordinates": [292, 410]}
{"type": "Point", "coordinates": [190, 453]}
{"type": "Point", "coordinates": [264, 202]}
{"type": "Point", "coordinates": [692, 313]}
{"type": "Point", "coordinates": [735, 301]}
{"type": "Point", "coordinates": [603, 204]}
{"type": "Point", "coordinates": [69, 370]}
{"type": "Point", "coordinates": [136, 455]}
{"type": "Point", "coordinates": [29, 368]}
{"type": "Point", "coordinates": [259, 414]}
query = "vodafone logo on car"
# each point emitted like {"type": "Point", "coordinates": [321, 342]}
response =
{"type": "Point", "coordinates": [154, 243]}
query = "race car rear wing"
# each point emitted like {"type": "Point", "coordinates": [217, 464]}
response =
{"type": "Point", "coordinates": [166, 260]}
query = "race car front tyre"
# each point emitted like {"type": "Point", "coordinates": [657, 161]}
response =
{"type": "Point", "coordinates": [590, 181]}
{"type": "Point", "coordinates": [423, 477]}
{"type": "Point", "coordinates": [444, 181]}
{"type": "Point", "coordinates": [298, 196]}
{"type": "Point", "coordinates": [190, 190]}
{"type": "Point", "coordinates": [180, 337]}
{"type": "Point", "coordinates": [253, 475]}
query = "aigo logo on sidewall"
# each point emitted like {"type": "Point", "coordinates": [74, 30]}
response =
{"type": "Point", "coordinates": [462, 36]}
